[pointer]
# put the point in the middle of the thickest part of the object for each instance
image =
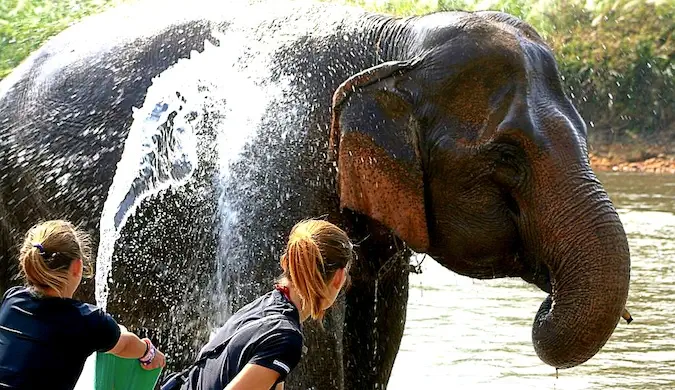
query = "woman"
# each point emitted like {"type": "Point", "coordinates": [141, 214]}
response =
{"type": "Point", "coordinates": [46, 335]}
{"type": "Point", "coordinates": [261, 343]}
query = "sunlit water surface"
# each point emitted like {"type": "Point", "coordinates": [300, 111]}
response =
{"type": "Point", "coordinates": [472, 334]}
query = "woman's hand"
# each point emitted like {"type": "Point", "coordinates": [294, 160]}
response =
{"type": "Point", "coordinates": [153, 357]}
{"type": "Point", "coordinates": [158, 361]}
{"type": "Point", "coordinates": [130, 346]}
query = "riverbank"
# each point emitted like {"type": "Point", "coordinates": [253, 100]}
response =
{"type": "Point", "coordinates": [631, 158]}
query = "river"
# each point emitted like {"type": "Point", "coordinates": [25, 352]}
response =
{"type": "Point", "coordinates": [476, 334]}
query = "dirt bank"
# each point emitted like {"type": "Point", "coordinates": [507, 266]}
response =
{"type": "Point", "coordinates": [633, 158]}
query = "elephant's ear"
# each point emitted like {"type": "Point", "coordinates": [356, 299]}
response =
{"type": "Point", "coordinates": [374, 138]}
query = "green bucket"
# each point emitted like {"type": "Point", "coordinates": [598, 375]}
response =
{"type": "Point", "coordinates": [115, 373]}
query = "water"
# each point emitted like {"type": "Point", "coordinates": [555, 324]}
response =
{"type": "Point", "coordinates": [465, 333]}
{"type": "Point", "coordinates": [159, 152]}
{"type": "Point", "coordinates": [216, 100]}
{"type": "Point", "coordinates": [229, 82]}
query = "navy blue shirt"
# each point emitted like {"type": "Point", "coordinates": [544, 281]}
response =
{"type": "Point", "coordinates": [44, 341]}
{"type": "Point", "coordinates": [266, 332]}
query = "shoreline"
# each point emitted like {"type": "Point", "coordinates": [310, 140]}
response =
{"type": "Point", "coordinates": [633, 158]}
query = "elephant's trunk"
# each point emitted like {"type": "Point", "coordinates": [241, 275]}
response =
{"type": "Point", "coordinates": [577, 233]}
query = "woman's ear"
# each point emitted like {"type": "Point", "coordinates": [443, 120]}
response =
{"type": "Point", "coordinates": [374, 138]}
{"type": "Point", "coordinates": [339, 279]}
{"type": "Point", "coordinates": [76, 268]}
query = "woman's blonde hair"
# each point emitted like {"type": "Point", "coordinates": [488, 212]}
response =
{"type": "Point", "coordinates": [47, 252]}
{"type": "Point", "coordinates": [316, 249]}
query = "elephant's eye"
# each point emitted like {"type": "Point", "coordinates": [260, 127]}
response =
{"type": "Point", "coordinates": [508, 167]}
{"type": "Point", "coordinates": [506, 156]}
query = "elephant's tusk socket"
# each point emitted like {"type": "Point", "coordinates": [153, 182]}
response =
{"type": "Point", "coordinates": [626, 316]}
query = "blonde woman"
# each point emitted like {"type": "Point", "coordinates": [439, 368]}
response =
{"type": "Point", "coordinates": [261, 343]}
{"type": "Point", "coordinates": [46, 335]}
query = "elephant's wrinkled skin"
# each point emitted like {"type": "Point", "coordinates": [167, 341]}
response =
{"type": "Point", "coordinates": [450, 130]}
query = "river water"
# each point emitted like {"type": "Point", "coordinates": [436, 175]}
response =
{"type": "Point", "coordinates": [476, 334]}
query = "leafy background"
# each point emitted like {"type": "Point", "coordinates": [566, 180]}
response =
{"type": "Point", "coordinates": [615, 56]}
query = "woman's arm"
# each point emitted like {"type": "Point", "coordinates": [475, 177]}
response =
{"type": "Point", "coordinates": [130, 346]}
{"type": "Point", "coordinates": [254, 377]}
{"type": "Point", "coordinates": [280, 386]}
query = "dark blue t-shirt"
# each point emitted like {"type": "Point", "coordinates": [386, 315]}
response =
{"type": "Point", "coordinates": [266, 332]}
{"type": "Point", "coordinates": [45, 341]}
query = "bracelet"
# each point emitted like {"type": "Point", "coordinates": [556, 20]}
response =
{"type": "Point", "coordinates": [147, 348]}
{"type": "Point", "coordinates": [150, 352]}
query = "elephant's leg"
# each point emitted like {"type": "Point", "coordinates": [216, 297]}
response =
{"type": "Point", "coordinates": [321, 367]}
{"type": "Point", "coordinates": [374, 323]}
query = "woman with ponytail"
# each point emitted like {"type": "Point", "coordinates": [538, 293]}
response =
{"type": "Point", "coordinates": [46, 335]}
{"type": "Point", "coordinates": [261, 343]}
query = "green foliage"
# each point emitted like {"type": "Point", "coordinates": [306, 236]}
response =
{"type": "Point", "coordinates": [617, 62]}
{"type": "Point", "coordinates": [615, 56]}
{"type": "Point", "coordinates": [394, 7]}
{"type": "Point", "coordinates": [27, 24]}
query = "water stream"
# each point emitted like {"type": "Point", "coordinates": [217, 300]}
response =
{"type": "Point", "coordinates": [223, 95]}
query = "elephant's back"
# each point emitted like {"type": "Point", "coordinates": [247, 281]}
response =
{"type": "Point", "coordinates": [66, 111]}
{"type": "Point", "coordinates": [103, 65]}
{"type": "Point", "coordinates": [102, 42]}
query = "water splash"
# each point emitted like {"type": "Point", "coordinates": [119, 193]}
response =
{"type": "Point", "coordinates": [219, 99]}
{"type": "Point", "coordinates": [230, 81]}
{"type": "Point", "coordinates": [223, 96]}
{"type": "Point", "coordinates": [159, 152]}
{"type": "Point", "coordinates": [244, 115]}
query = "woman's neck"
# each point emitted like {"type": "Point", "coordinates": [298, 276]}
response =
{"type": "Point", "coordinates": [295, 299]}
{"type": "Point", "coordinates": [50, 292]}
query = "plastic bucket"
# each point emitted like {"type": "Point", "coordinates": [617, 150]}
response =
{"type": "Point", "coordinates": [115, 373]}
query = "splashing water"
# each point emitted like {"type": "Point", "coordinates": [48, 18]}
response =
{"type": "Point", "coordinates": [162, 135]}
{"type": "Point", "coordinates": [224, 94]}
{"type": "Point", "coordinates": [161, 149]}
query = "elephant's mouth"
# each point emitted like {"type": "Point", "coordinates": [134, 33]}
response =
{"type": "Point", "coordinates": [516, 262]}
{"type": "Point", "coordinates": [533, 271]}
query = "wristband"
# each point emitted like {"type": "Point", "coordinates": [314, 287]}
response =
{"type": "Point", "coordinates": [150, 352]}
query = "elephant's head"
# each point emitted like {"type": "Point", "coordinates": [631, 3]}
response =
{"type": "Point", "coordinates": [470, 151]}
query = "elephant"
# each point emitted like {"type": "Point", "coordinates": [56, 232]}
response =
{"type": "Point", "coordinates": [448, 134]}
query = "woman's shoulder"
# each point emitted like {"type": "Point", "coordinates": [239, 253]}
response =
{"type": "Point", "coordinates": [267, 312]}
{"type": "Point", "coordinates": [18, 301]}
{"type": "Point", "coordinates": [74, 307]}
{"type": "Point", "coordinates": [21, 297]}
{"type": "Point", "coordinates": [14, 291]}
{"type": "Point", "coordinates": [87, 309]}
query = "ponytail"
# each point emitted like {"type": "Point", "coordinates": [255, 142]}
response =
{"type": "Point", "coordinates": [38, 274]}
{"type": "Point", "coordinates": [47, 252]}
{"type": "Point", "coordinates": [316, 249]}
